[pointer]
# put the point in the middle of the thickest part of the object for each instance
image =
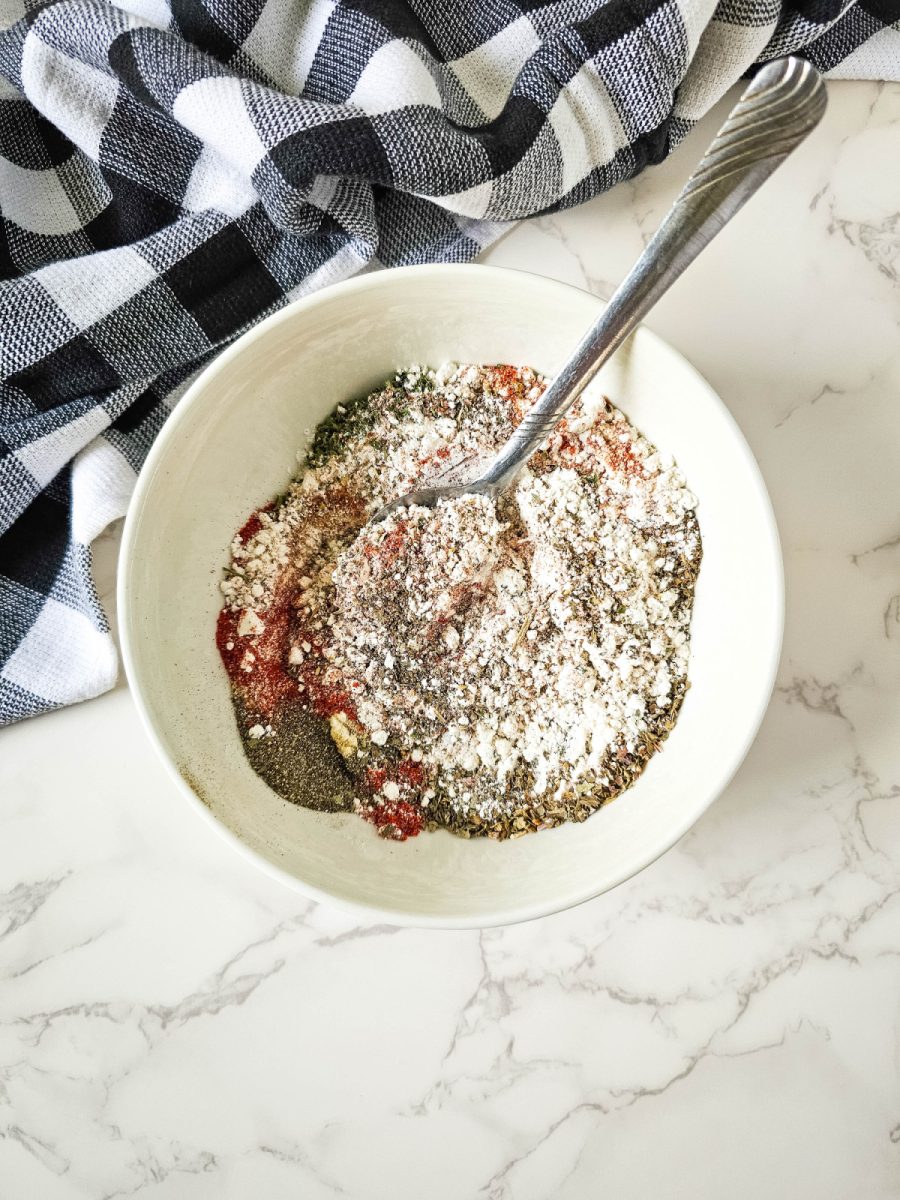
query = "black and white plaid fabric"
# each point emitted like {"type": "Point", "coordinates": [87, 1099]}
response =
{"type": "Point", "coordinates": [172, 170]}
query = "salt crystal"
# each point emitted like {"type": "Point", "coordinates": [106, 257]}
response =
{"type": "Point", "coordinates": [451, 637]}
{"type": "Point", "coordinates": [249, 623]}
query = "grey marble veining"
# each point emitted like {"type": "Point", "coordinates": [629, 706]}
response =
{"type": "Point", "coordinates": [176, 1026]}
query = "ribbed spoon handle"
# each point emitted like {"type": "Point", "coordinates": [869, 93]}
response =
{"type": "Point", "coordinates": [783, 103]}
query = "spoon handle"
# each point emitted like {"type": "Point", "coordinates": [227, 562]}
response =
{"type": "Point", "coordinates": [784, 102]}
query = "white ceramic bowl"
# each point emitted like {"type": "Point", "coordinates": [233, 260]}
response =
{"type": "Point", "coordinates": [230, 446]}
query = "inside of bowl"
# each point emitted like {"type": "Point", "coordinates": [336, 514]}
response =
{"type": "Point", "coordinates": [233, 445]}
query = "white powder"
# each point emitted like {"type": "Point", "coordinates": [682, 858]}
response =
{"type": "Point", "coordinates": [527, 654]}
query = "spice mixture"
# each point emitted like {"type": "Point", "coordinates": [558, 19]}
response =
{"type": "Point", "coordinates": [488, 667]}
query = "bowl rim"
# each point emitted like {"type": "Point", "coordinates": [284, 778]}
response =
{"type": "Point", "coordinates": [404, 917]}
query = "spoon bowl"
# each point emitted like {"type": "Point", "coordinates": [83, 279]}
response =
{"type": "Point", "coordinates": [230, 445]}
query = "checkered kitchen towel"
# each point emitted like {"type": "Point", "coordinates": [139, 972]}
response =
{"type": "Point", "coordinates": [172, 170]}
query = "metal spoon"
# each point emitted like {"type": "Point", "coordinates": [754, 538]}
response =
{"type": "Point", "coordinates": [783, 104]}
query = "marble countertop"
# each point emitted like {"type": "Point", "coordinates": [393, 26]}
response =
{"type": "Point", "coordinates": [174, 1025]}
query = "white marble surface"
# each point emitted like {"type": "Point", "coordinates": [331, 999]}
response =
{"type": "Point", "coordinates": [174, 1025]}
